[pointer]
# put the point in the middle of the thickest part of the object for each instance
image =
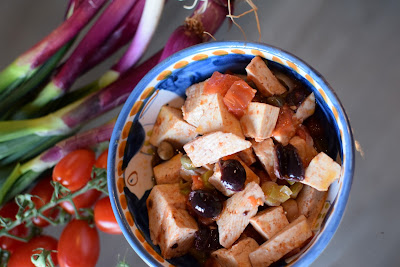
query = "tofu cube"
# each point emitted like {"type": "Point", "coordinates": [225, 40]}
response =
{"type": "Point", "coordinates": [215, 179]}
{"type": "Point", "coordinates": [237, 255]}
{"type": "Point", "coordinates": [247, 156]}
{"type": "Point", "coordinates": [171, 127]}
{"type": "Point", "coordinates": [265, 152]}
{"type": "Point", "coordinates": [306, 109]}
{"type": "Point", "coordinates": [193, 109]}
{"type": "Point", "coordinates": [162, 198]}
{"type": "Point", "coordinates": [289, 238]}
{"type": "Point", "coordinates": [269, 222]}
{"type": "Point", "coordinates": [179, 230]}
{"type": "Point", "coordinates": [237, 212]}
{"type": "Point", "coordinates": [291, 210]}
{"type": "Point", "coordinates": [211, 147]}
{"type": "Point", "coordinates": [265, 80]}
{"type": "Point", "coordinates": [259, 120]}
{"type": "Point", "coordinates": [168, 172]}
{"type": "Point", "coordinates": [310, 203]}
{"type": "Point", "coordinates": [321, 172]}
{"type": "Point", "coordinates": [305, 151]}
{"type": "Point", "coordinates": [216, 117]}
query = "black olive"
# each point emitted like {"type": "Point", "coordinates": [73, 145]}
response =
{"type": "Point", "coordinates": [206, 239]}
{"type": "Point", "coordinates": [233, 174]}
{"type": "Point", "coordinates": [205, 203]}
{"type": "Point", "coordinates": [296, 97]}
{"type": "Point", "coordinates": [290, 166]}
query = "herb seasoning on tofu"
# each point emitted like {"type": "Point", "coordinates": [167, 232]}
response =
{"type": "Point", "coordinates": [209, 196]}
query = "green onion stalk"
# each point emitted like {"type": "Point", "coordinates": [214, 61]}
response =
{"type": "Point", "coordinates": [28, 63]}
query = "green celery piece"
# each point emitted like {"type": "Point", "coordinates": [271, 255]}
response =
{"type": "Point", "coordinates": [13, 73]}
{"type": "Point", "coordinates": [37, 78]}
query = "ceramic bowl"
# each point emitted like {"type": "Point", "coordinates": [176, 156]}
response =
{"type": "Point", "coordinates": [129, 163]}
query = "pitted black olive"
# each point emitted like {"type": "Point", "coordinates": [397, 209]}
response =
{"type": "Point", "coordinates": [233, 174]}
{"type": "Point", "coordinates": [205, 203]}
{"type": "Point", "coordinates": [290, 166]}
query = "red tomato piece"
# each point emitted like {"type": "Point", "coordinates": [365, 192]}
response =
{"type": "Point", "coordinates": [285, 126]}
{"type": "Point", "coordinates": [74, 170]}
{"type": "Point", "coordinates": [22, 255]}
{"type": "Point", "coordinates": [78, 245]}
{"type": "Point", "coordinates": [239, 97]}
{"type": "Point", "coordinates": [9, 210]}
{"type": "Point", "coordinates": [104, 217]}
{"type": "Point", "coordinates": [43, 191]}
{"type": "Point", "coordinates": [219, 83]}
{"type": "Point", "coordinates": [101, 161]}
{"type": "Point", "coordinates": [84, 200]}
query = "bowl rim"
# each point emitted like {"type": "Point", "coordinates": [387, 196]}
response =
{"type": "Point", "coordinates": [348, 148]}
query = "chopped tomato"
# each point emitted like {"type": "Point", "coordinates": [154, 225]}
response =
{"type": "Point", "coordinates": [219, 83]}
{"type": "Point", "coordinates": [197, 182]}
{"type": "Point", "coordinates": [285, 126]}
{"type": "Point", "coordinates": [238, 97]}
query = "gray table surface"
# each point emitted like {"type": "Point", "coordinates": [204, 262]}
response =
{"type": "Point", "coordinates": [354, 44]}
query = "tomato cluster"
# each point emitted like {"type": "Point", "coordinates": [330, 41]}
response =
{"type": "Point", "coordinates": [79, 243]}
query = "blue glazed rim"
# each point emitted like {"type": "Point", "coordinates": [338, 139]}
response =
{"type": "Point", "coordinates": [348, 149]}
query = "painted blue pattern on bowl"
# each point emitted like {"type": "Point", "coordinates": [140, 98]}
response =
{"type": "Point", "coordinates": [199, 70]}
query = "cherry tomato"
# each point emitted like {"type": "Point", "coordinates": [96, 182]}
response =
{"type": "Point", "coordinates": [104, 217]}
{"type": "Point", "coordinates": [74, 170]}
{"type": "Point", "coordinates": [44, 191]}
{"type": "Point", "coordinates": [79, 245]}
{"type": "Point", "coordinates": [22, 255]}
{"type": "Point", "coordinates": [101, 161]}
{"type": "Point", "coordinates": [84, 200]}
{"type": "Point", "coordinates": [9, 210]}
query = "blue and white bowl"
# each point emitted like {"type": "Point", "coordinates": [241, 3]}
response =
{"type": "Point", "coordinates": [129, 162]}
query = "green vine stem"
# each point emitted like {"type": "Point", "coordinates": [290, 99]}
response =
{"type": "Point", "coordinates": [27, 210]}
{"type": "Point", "coordinates": [43, 258]}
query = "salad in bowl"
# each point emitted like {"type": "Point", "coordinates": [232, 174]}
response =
{"type": "Point", "coordinates": [230, 154]}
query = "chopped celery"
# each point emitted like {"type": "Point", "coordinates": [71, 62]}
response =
{"type": "Point", "coordinates": [187, 163]}
{"type": "Point", "coordinates": [296, 188]}
{"type": "Point", "coordinates": [205, 176]}
{"type": "Point", "coordinates": [275, 194]}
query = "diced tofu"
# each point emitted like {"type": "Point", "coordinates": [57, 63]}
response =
{"type": "Point", "coordinates": [171, 127]}
{"type": "Point", "coordinates": [216, 117]}
{"type": "Point", "coordinates": [193, 109]}
{"type": "Point", "coordinates": [237, 255]}
{"type": "Point", "coordinates": [178, 229]}
{"type": "Point", "coordinates": [259, 120]}
{"type": "Point", "coordinates": [321, 172]}
{"type": "Point", "coordinates": [306, 152]}
{"type": "Point", "coordinates": [265, 80]}
{"type": "Point", "coordinates": [270, 221]}
{"type": "Point", "coordinates": [289, 238]}
{"type": "Point", "coordinates": [211, 147]}
{"type": "Point", "coordinates": [162, 198]}
{"type": "Point", "coordinates": [237, 212]}
{"type": "Point", "coordinates": [310, 202]}
{"type": "Point", "coordinates": [247, 156]}
{"type": "Point", "coordinates": [306, 109]}
{"type": "Point", "coordinates": [168, 172]}
{"type": "Point", "coordinates": [215, 179]}
{"type": "Point", "coordinates": [265, 152]}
